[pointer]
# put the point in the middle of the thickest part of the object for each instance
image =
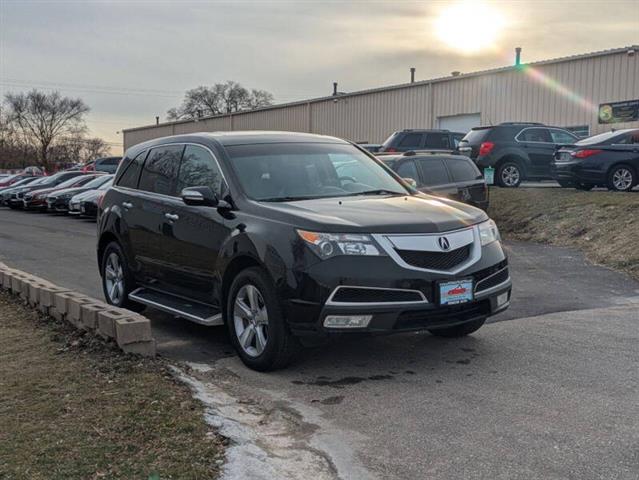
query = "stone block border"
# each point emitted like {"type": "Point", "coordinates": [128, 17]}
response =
{"type": "Point", "coordinates": [130, 331]}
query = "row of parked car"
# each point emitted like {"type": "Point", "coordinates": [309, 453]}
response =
{"type": "Point", "coordinates": [519, 151]}
{"type": "Point", "coordinates": [75, 192]}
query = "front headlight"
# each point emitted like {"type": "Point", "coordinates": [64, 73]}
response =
{"type": "Point", "coordinates": [488, 232]}
{"type": "Point", "coordinates": [327, 245]}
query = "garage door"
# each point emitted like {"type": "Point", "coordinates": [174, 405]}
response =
{"type": "Point", "coordinates": [460, 123]}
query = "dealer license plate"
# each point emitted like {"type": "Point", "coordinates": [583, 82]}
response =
{"type": "Point", "coordinates": [453, 293]}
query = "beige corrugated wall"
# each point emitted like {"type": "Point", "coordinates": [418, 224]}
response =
{"type": "Point", "coordinates": [549, 93]}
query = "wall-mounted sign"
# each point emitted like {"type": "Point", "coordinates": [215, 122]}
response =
{"type": "Point", "coordinates": [618, 112]}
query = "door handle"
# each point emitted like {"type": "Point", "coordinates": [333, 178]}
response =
{"type": "Point", "coordinates": [171, 216]}
{"type": "Point", "coordinates": [127, 204]}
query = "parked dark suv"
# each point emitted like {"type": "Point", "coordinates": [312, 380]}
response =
{"type": "Point", "coordinates": [421, 140]}
{"type": "Point", "coordinates": [452, 176]}
{"type": "Point", "coordinates": [259, 231]}
{"type": "Point", "coordinates": [517, 151]}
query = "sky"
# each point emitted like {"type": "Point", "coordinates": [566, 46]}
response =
{"type": "Point", "coordinates": [133, 60]}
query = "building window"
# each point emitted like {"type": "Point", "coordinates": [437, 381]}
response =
{"type": "Point", "coordinates": [582, 131]}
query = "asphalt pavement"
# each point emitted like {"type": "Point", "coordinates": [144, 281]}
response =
{"type": "Point", "coordinates": [549, 389]}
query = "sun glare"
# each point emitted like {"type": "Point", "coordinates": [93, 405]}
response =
{"type": "Point", "coordinates": [470, 26]}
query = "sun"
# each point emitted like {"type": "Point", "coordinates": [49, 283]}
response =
{"type": "Point", "coordinates": [470, 26]}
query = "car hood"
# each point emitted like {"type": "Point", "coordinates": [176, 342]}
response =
{"type": "Point", "coordinates": [379, 214]}
{"type": "Point", "coordinates": [83, 195]}
{"type": "Point", "coordinates": [69, 191]}
{"type": "Point", "coordinates": [91, 195]}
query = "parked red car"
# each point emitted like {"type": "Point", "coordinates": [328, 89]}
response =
{"type": "Point", "coordinates": [37, 199]}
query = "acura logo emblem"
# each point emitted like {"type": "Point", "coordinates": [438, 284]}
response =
{"type": "Point", "coordinates": [444, 244]}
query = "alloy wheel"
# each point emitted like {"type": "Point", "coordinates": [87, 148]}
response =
{"type": "Point", "coordinates": [114, 278]}
{"type": "Point", "coordinates": [251, 320]}
{"type": "Point", "coordinates": [510, 175]}
{"type": "Point", "coordinates": [622, 179]}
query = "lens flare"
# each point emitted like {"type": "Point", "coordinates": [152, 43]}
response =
{"type": "Point", "coordinates": [557, 87]}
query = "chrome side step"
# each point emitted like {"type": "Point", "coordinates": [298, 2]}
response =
{"type": "Point", "coordinates": [193, 311]}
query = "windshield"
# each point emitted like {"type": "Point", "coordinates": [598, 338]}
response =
{"type": "Point", "coordinates": [98, 181]}
{"type": "Point", "coordinates": [602, 137]}
{"type": "Point", "coordinates": [297, 171]}
{"type": "Point", "coordinates": [108, 184]}
{"type": "Point", "coordinates": [476, 135]}
{"type": "Point", "coordinates": [390, 139]}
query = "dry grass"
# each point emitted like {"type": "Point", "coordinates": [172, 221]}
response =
{"type": "Point", "coordinates": [74, 408]}
{"type": "Point", "coordinates": [604, 225]}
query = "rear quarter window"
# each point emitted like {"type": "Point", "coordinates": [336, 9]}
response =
{"type": "Point", "coordinates": [463, 170]}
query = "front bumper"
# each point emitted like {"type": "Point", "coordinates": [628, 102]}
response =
{"type": "Point", "coordinates": [307, 311]}
{"type": "Point", "coordinates": [34, 204]}
{"type": "Point", "coordinates": [57, 205]}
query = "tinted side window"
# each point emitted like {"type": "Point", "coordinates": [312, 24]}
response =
{"type": "Point", "coordinates": [408, 169]}
{"type": "Point", "coordinates": [110, 161]}
{"type": "Point", "coordinates": [160, 170]}
{"type": "Point", "coordinates": [131, 175]}
{"type": "Point", "coordinates": [561, 137]}
{"type": "Point", "coordinates": [434, 171]}
{"type": "Point", "coordinates": [627, 139]}
{"type": "Point", "coordinates": [437, 140]}
{"type": "Point", "coordinates": [535, 135]}
{"type": "Point", "coordinates": [411, 140]}
{"type": "Point", "coordinates": [462, 170]}
{"type": "Point", "coordinates": [199, 169]}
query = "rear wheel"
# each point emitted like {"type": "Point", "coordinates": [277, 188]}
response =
{"type": "Point", "coordinates": [117, 281]}
{"type": "Point", "coordinates": [509, 174]}
{"type": "Point", "coordinates": [622, 178]}
{"type": "Point", "coordinates": [256, 323]}
{"type": "Point", "coordinates": [459, 330]}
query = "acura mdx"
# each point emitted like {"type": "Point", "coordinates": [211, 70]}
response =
{"type": "Point", "coordinates": [260, 232]}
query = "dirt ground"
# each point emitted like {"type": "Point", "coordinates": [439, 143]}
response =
{"type": "Point", "coordinates": [604, 225]}
{"type": "Point", "coordinates": [72, 407]}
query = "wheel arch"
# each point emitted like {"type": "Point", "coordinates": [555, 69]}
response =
{"type": "Point", "coordinates": [511, 157]}
{"type": "Point", "coordinates": [234, 267]}
{"type": "Point", "coordinates": [105, 239]}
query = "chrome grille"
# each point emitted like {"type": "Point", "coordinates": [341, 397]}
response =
{"type": "Point", "coordinates": [435, 260]}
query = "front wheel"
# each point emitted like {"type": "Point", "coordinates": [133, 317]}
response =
{"type": "Point", "coordinates": [459, 330]}
{"type": "Point", "coordinates": [621, 178]}
{"type": "Point", "coordinates": [117, 281]}
{"type": "Point", "coordinates": [256, 323]}
{"type": "Point", "coordinates": [509, 175]}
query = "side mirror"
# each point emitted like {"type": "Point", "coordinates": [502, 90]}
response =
{"type": "Point", "coordinates": [200, 196]}
{"type": "Point", "coordinates": [410, 181]}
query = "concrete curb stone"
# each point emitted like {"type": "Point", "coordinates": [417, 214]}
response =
{"type": "Point", "coordinates": [132, 331]}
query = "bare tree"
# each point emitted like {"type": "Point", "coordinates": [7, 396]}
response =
{"type": "Point", "coordinates": [227, 97]}
{"type": "Point", "coordinates": [94, 148]}
{"type": "Point", "coordinates": [45, 118]}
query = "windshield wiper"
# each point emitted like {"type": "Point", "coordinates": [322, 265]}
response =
{"type": "Point", "coordinates": [379, 191]}
{"type": "Point", "coordinates": [285, 199]}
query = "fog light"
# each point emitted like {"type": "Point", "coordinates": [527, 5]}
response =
{"type": "Point", "coordinates": [347, 321]}
{"type": "Point", "coordinates": [502, 299]}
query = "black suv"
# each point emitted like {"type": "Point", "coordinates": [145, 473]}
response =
{"type": "Point", "coordinates": [517, 151]}
{"type": "Point", "coordinates": [421, 140]}
{"type": "Point", "coordinates": [452, 176]}
{"type": "Point", "coordinates": [260, 231]}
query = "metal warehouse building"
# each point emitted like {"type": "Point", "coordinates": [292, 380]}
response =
{"type": "Point", "coordinates": [588, 94]}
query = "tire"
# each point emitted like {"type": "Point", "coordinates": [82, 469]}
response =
{"type": "Point", "coordinates": [268, 343]}
{"type": "Point", "coordinates": [459, 330]}
{"type": "Point", "coordinates": [622, 178]}
{"type": "Point", "coordinates": [586, 187]}
{"type": "Point", "coordinates": [123, 275]}
{"type": "Point", "coordinates": [509, 174]}
{"type": "Point", "coordinates": [566, 184]}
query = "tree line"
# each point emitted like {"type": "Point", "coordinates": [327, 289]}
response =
{"type": "Point", "coordinates": [45, 129]}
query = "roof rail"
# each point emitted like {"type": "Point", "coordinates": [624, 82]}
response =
{"type": "Point", "coordinates": [521, 123]}
{"type": "Point", "coordinates": [443, 151]}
